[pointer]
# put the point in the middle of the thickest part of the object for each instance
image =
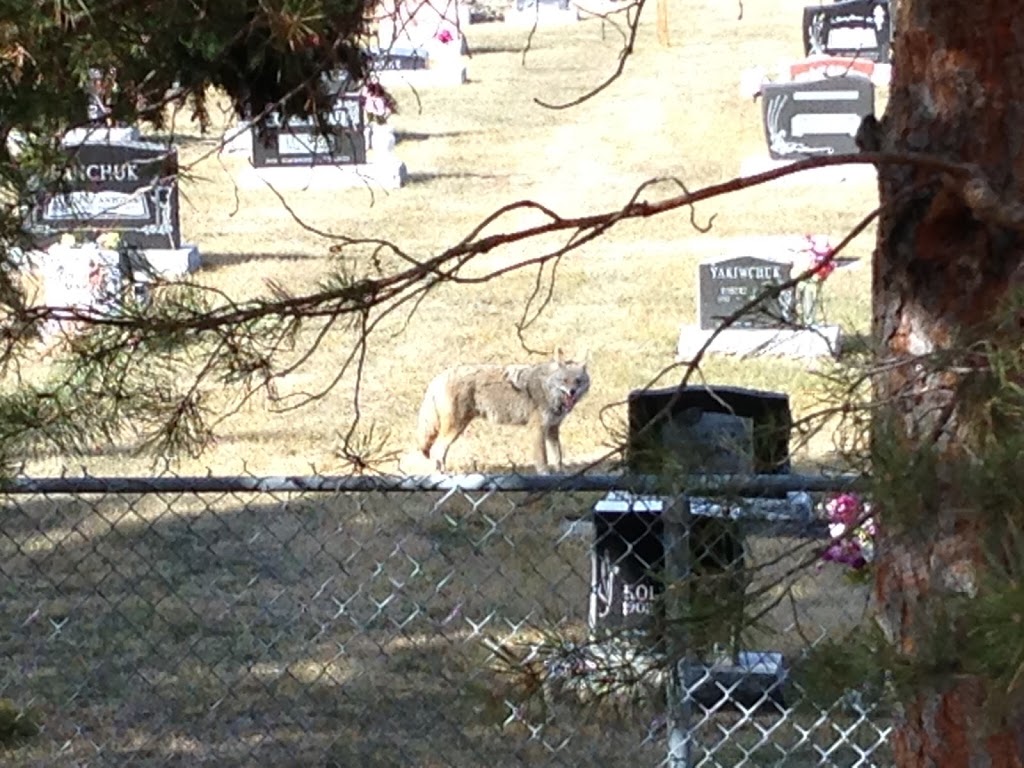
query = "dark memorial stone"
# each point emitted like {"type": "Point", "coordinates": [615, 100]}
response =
{"type": "Point", "coordinates": [812, 119]}
{"type": "Point", "coordinates": [854, 28]}
{"type": "Point", "coordinates": [128, 187]}
{"type": "Point", "coordinates": [728, 285]}
{"type": "Point", "coordinates": [398, 59]}
{"type": "Point", "coordinates": [302, 141]}
{"type": "Point", "coordinates": [659, 418]}
{"type": "Point", "coordinates": [683, 430]}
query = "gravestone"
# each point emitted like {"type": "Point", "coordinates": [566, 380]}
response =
{"type": "Point", "coordinates": [428, 38]}
{"type": "Point", "coordinates": [304, 141]}
{"type": "Point", "coordinates": [778, 324]}
{"type": "Point", "coordinates": [682, 431]}
{"type": "Point", "coordinates": [114, 184]}
{"type": "Point", "coordinates": [735, 430]}
{"type": "Point", "coordinates": [397, 59]}
{"type": "Point", "coordinates": [813, 119]}
{"type": "Point", "coordinates": [660, 421]}
{"type": "Point", "coordinates": [854, 28]}
{"type": "Point", "coordinates": [727, 285]}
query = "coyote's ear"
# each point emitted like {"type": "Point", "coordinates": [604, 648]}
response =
{"type": "Point", "coordinates": [584, 356]}
{"type": "Point", "coordinates": [559, 355]}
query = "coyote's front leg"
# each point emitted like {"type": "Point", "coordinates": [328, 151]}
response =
{"type": "Point", "coordinates": [540, 453]}
{"type": "Point", "coordinates": [548, 447]}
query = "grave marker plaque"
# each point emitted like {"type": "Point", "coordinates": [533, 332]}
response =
{"type": "Point", "coordinates": [128, 187]}
{"type": "Point", "coordinates": [398, 59]}
{"type": "Point", "coordinates": [303, 142]}
{"type": "Point", "coordinates": [727, 285]}
{"type": "Point", "coordinates": [811, 119]}
{"type": "Point", "coordinates": [855, 28]}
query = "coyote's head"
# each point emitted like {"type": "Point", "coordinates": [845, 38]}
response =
{"type": "Point", "coordinates": [568, 381]}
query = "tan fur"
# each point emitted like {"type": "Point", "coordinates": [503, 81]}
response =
{"type": "Point", "coordinates": [537, 396]}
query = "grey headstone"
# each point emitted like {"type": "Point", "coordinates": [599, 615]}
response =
{"type": "Point", "coordinates": [814, 119]}
{"type": "Point", "coordinates": [128, 187]}
{"type": "Point", "coordinates": [303, 142]}
{"type": "Point", "coordinates": [727, 285]}
{"type": "Point", "coordinates": [398, 58]}
{"type": "Point", "coordinates": [854, 28]}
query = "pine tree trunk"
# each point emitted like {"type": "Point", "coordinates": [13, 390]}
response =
{"type": "Point", "coordinates": [957, 92]}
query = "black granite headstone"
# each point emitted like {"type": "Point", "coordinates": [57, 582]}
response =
{"type": "Point", "coordinates": [728, 285]}
{"type": "Point", "coordinates": [860, 28]}
{"type": "Point", "coordinates": [396, 58]}
{"type": "Point", "coordinates": [687, 430]}
{"type": "Point", "coordinates": [659, 417]}
{"type": "Point", "coordinates": [811, 119]}
{"type": "Point", "coordinates": [128, 187]}
{"type": "Point", "coordinates": [303, 141]}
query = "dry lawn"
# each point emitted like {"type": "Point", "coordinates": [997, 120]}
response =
{"type": "Point", "coordinates": [279, 631]}
{"type": "Point", "coordinates": [343, 631]}
{"type": "Point", "coordinates": [675, 113]}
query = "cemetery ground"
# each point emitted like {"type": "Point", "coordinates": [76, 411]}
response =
{"type": "Point", "coordinates": [675, 113]}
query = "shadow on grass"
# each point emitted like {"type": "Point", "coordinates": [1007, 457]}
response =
{"type": "Point", "coordinates": [272, 630]}
{"type": "Point", "coordinates": [286, 630]}
{"type": "Point", "coordinates": [180, 140]}
{"type": "Point", "coordinates": [483, 50]}
{"type": "Point", "coordinates": [427, 177]}
{"type": "Point", "coordinates": [403, 136]}
{"type": "Point", "coordinates": [215, 261]}
{"type": "Point", "coordinates": [855, 344]}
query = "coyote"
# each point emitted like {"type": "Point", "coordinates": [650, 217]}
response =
{"type": "Point", "coordinates": [538, 396]}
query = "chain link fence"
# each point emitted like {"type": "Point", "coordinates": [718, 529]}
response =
{"type": "Point", "coordinates": [357, 621]}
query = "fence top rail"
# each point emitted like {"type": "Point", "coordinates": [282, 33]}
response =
{"type": "Point", "coordinates": [694, 485]}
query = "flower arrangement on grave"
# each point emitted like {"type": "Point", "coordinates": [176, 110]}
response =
{"type": "Point", "coordinates": [853, 531]}
{"type": "Point", "coordinates": [822, 264]}
{"type": "Point", "coordinates": [378, 104]}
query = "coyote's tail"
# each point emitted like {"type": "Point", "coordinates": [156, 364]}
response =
{"type": "Point", "coordinates": [429, 423]}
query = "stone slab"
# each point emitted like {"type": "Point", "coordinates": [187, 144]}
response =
{"type": "Point", "coordinates": [432, 77]}
{"type": "Point", "coordinates": [390, 175]}
{"type": "Point", "coordinates": [823, 341]}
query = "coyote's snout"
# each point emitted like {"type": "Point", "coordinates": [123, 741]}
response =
{"type": "Point", "coordinates": [538, 396]}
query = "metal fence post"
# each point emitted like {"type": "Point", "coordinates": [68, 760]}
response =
{"type": "Point", "coordinates": [679, 717]}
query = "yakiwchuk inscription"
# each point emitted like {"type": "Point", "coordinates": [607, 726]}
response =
{"type": "Point", "coordinates": [727, 286]}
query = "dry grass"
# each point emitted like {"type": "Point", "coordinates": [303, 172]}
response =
{"type": "Point", "coordinates": [319, 630]}
{"type": "Point", "coordinates": [675, 113]}
{"type": "Point", "coordinates": [342, 631]}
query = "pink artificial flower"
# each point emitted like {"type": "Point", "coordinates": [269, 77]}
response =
{"type": "Point", "coordinates": [445, 36]}
{"type": "Point", "coordinates": [823, 262]}
{"type": "Point", "coordinates": [844, 509]}
{"type": "Point", "coordinates": [845, 552]}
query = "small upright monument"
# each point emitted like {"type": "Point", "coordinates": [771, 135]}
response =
{"type": "Point", "coordinates": [352, 146]}
{"type": "Point", "coordinates": [764, 313]}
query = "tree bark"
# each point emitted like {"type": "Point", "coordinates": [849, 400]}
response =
{"type": "Point", "coordinates": [941, 272]}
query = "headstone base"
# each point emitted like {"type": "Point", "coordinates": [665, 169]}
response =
{"type": "Point", "coordinates": [858, 173]}
{"type": "Point", "coordinates": [446, 74]}
{"type": "Point", "coordinates": [821, 341]}
{"type": "Point", "coordinates": [237, 139]}
{"type": "Point", "coordinates": [544, 15]}
{"type": "Point", "coordinates": [389, 175]}
{"type": "Point", "coordinates": [173, 262]}
{"type": "Point", "coordinates": [166, 262]}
